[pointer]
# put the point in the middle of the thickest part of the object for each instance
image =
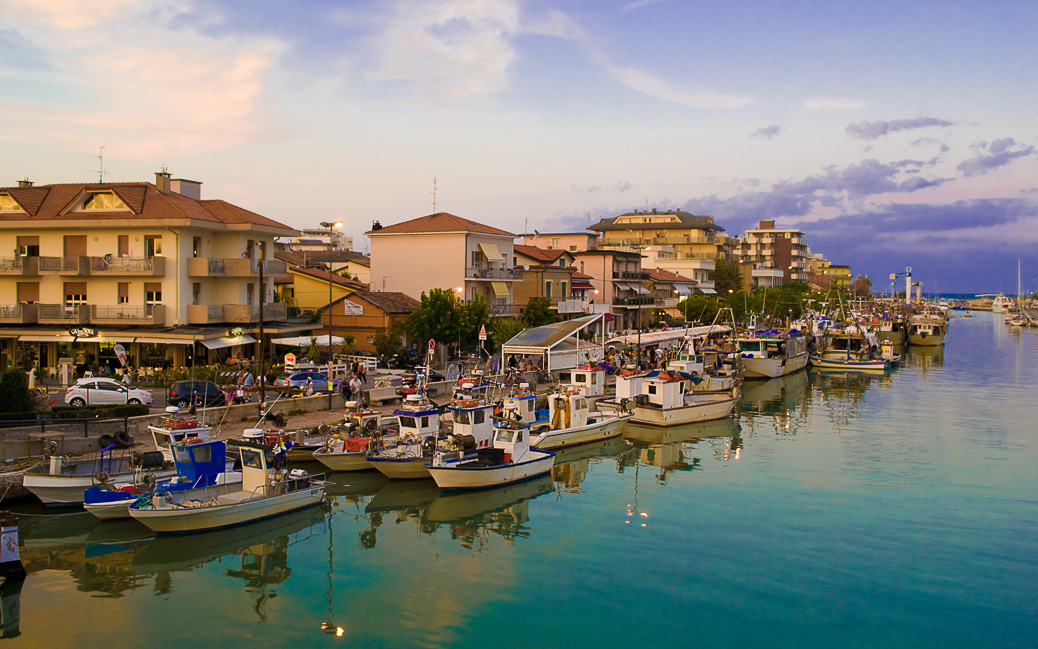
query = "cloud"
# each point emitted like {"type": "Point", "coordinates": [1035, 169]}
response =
{"type": "Point", "coordinates": [638, 4]}
{"type": "Point", "coordinates": [875, 130]}
{"type": "Point", "coordinates": [651, 85]}
{"type": "Point", "coordinates": [769, 132]}
{"type": "Point", "coordinates": [68, 14]}
{"type": "Point", "coordinates": [450, 49]}
{"type": "Point", "coordinates": [620, 186]}
{"type": "Point", "coordinates": [989, 157]}
{"type": "Point", "coordinates": [833, 103]}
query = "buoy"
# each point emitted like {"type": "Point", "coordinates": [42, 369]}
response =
{"type": "Point", "coordinates": [11, 567]}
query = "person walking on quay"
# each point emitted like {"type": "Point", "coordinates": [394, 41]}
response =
{"type": "Point", "coordinates": [362, 372]}
{"type": "Point", "coordinates": [358, 389]}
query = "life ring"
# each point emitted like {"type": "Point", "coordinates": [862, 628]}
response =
{"type": "Point", "coordinates": [466, 403]}
{"type": "Point", "coordinates": [123, 439]}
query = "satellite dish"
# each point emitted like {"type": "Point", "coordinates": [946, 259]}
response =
{"type": "Point", "coordinates": [536, 232]}
{"type": "Point", "coordinates": [526, 265]}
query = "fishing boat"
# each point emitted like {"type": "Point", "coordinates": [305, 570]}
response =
{"type": "Point", "coordinates": [1001, 303]}
{"type": "Point", "coordinates": [509, 460]}
{"type": "Point", "coordinates": [176, 428]}
{"type": "Point", "coordinates": [267, 489]}
{"type": "Point", "coordinates": [199, 463]}
{"type": "Point", "coordinates": [666, 398]}
{"type": "Point", "coordinates": [769, 354]}
{"type": "Point", "coordinates": [61, 481]}
{"type": "Point", "coordinates": [417, 440]}
{"type": "Point", "coordinates": [569, 420]}
{"type": "Point", "coordinates": [363, 430]}
{"type": "Point", "coordinates": [927, 329]}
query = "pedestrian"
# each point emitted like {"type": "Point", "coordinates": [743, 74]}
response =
{"type": "Point", "coordinates": [358, 390]}
{"type": "Point", "coordinates": [248, 379]}
{"type": "Point", "coordinates": [362, 372]}
{"type": "Point", "coordinates": [308, 389]}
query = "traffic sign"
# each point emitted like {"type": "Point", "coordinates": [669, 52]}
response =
{"type": "Point", "coordinates": [482, 332]}
{"type": "Point", "coordinates": [432, 344]}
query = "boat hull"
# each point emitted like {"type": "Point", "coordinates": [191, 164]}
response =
{"type": "Point", "coordinates": [351, 461]}
{"type": "Point", "coordinates": [610, 427]}
{"type": "Point", "coordinates": [770, 368]}
{"type": "Point", "coordinates": [930, 340]}
{"type": "Point", "coordinates": [467, 476]}
{"type": "Point", "coordinates": [401, 468]}
{"type": "Point", "coordinates": [111, 510]}
{"type": "Point", "coordinates": [687, 414]}
{"type": "Point", "coordinates": [67, 490]}
{"type": "Point", "coordinates": [197, 519]}
{"type": "Point", "coordinates": [850, 365]}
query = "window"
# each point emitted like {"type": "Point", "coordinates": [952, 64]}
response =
{"type": "Point", "coordinates": [196, 246]}
{"type": "Point", "coordinates": [196, 292]}
{"type": "Point", "coordinates": [104, 201]}
{"type": "Point", "coordinates": [478, 417]}
{"type": "Point", "coordinates": [477, 259]}
{"type": "Point", "coordinates": [652, 389]}
{"type": "Point", "coordinates": [75, 293]}
{"type": "Point", "coordinates": [124, 245]}
{"type": "Point", "coordinates": [582, 267]}
{"type": "Point", "coordinates": [124, 292]}
{"type": "Point", "coordinates": [249, 289]}
{"type": "Point", "coordinates": [547, 288]}
{"type": "Point", "coordinates": [555, 243]}
{"type": "Point", "coordinates": [203, 453]}
{"type": "Point", "coordinates": [153, 293]}
{"type": "Point", "coordinates": [572, 248]}
{"type": "Point", "coordinates": [8, 204]}
{"type": "Point", "coordinates": [562, 291]}
{"type": "Point", "coordinates": [425, 422]}
{"type": "Point", "coordinates": [152, 245]}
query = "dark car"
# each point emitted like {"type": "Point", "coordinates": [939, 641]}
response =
{"type": "Point", "coordinates": [204, 393]}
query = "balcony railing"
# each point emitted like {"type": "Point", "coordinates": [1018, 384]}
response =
{"type": "Point", "coordinates": [633, 301]}
{"type": "Point", "coordinates": [109, 265]}
{"type": "Point", "coordinates": [482, 272]}
{"type": "Point", "coordinates": [11, 263]}
{"type": "Point", "coordinates": [629, 275]}
{"type": "Point", "coordinates": [64, 313]}
{"type": "Point", "coordinates": [59, 264]}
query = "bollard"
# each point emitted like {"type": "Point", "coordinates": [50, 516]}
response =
{"type": "Point", "coordinates": [11, 567]}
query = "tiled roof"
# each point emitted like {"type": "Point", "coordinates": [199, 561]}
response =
{"type": "Point", "coordinates": [143, 201]}
{"type": "Point", "coordinates": [323, 275]}
{"type": "Point", "coordinates": [686, 221]}
{"type": "Point", "coordinates": [438, 222]}
{"type": "Point", "coordinates": [389, 302]}
{"type": "Point", "coordinates": [583, 276]}
{"type": "Point", "coordinates": [540, 254]}
{"type": "Point", "coordinates": [660, 275]}
{"type": "Point", "coordinates": [342, 256]}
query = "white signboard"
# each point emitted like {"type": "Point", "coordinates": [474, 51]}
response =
{"type": "Point", "coordinates": [352, 308]}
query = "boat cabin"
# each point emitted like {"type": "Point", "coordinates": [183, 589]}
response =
{"type": "Point", "coordinates": [567, 409]}
{"type": "Point", "coordinates": [368, 421]}
{"type": "Point", "coordinates": [588, 380]}
{"type": "Point", "coordinates": [262, 471]}
{"type": "Point", "coordinates": [476, 421]}
{"type": "Point", "coordinates": [521, 407]}
{"type": "Point", "coordinates": [628, 386]}
{"type": "Point", "coordinates": [514, 440]}
{"type": "Point", "coordinates": [418, 418]}
{"type": "Point", "coordinates": [201, 462]}
{"type": "Point", "coordinates": [175, 429]}
{"type": "Point", "coordinates": [664, 391]}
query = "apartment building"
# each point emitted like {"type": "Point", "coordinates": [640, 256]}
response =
{"type": "Point", "coordinates": [617, 279]}
{"type": "Point", "coordinates": [774, 256]}
{"type": "Point", "coordinates": [568, 241]}
{"type": "Point", "coordinates": [154, 267]}
{"type": "Point", "coordinates": [445, 251]}
{"type": "Point", "coordinates": [547, 274]}
{"type": "Point", "coordinates": [673, 240]}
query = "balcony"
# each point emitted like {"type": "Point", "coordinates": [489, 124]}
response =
{"type": "Point", "coordinates": [497, 274]}
{"type": "Point", "coordinates": [234, 267]}
{"type": "Point", "coordinates": [124, 314]}
{"type": "Point", "coordinates": [19, 313]}
{"type": "Point", "coordinates": [24, 266]}
{"type": "Point", "coordinates": [203, 314]}
{"type": "Point", "coordinates": [570, 306]}
{"type": "Point", "coordinates": [127, 266]}
{"type": "Point", "coordinates": [65, 265]}
{"type": "Point", "coordinates": [666, 302]}
{"type": "Point", "coordinates": [634, 301]}
{"type": "Point", "coordinates": [272, 311]}
{"type": "Point", "coordinates": [629, 275]}
{"type": "Point", "coordinates": [64, 314]}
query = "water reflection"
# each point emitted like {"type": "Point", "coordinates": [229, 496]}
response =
{"type": "Point", "coordinates": [774, 396]}
{"type": "Point", "coordinates": [572, 464]}
{"type": "Point", "coordinates": [842, 394]}
{"type": "Point", "coordinates": [925, 358]}
{"type": "Point", "coordinates": [677, 448]}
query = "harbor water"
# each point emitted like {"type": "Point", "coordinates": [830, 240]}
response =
{"type": "Point", "coordinates": [890, 510]}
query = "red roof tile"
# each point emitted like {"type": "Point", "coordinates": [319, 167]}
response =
{"type": "Point", "coordinates": [438, 222]}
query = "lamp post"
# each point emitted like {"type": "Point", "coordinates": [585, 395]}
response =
{"type": "Point", "coordinates": [331, 354]}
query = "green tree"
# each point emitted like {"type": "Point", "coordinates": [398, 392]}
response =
{"type": "Point", "coordinates": [538, 312]}
{"type": "Point", "coordinates": [436, 319]}
{"type": "Point", "coordinates": [472, 315]}
{"type": "Point", "coordinates": [726, 276]}
{"type": "Point", "coordinates": [313, 350]}
{"type": "Point", "coordinates": [502, 330]}
{"type": "Point", "coordinates": [15, 395]}
{"type": "Point", "coordinates": [861, 286]}
{"type": "Point", "coordinates": [699, 308]}
{"type": "Point", "coordinates": [348, 341]}
{"type": "Point", "coordinates": [388, 341]}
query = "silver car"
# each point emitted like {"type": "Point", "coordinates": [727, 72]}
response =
{"type": "Point", "coordinates": [95, 391]}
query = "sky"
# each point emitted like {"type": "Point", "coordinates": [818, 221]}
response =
{"type": "Point", "coordinates": [893, 134]}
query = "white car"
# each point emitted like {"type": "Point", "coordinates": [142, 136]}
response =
{"type": "Point", "coordinates": [94, 391]}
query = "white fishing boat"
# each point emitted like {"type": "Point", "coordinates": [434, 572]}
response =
{"type": "Point", "coordinates": [509, 460]}
{"type": "Point", "coordinates": [363, 430]}
{"type": "Point", "coordinates": [569, 421]}
{"type": "Point", "coordinates": [416, 443]}
{"type": "Point", "coordinates": [1001, 303]}
{"type": "Point", "coordinates": [61, 481]}
{"type": "Point", "coordinates": [267, 489]}
{"type": "Point", "coordinates": [176, 428]}
{"type": "Point", "coordinates": [927, 329]}
{"type": "Point", "coordinates": [666, 398]}
{"type": "Point", "coordinates": [199, 463]}
{"type": "Point", "coordinates": [767, 355]}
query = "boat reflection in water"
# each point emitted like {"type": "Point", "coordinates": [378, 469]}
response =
{"type": "Point", "coordinates": [925, 357]}
{"type": "Point", "coordinates": [842, 394]}
{"type": "Point", "coordinates": [572, 464]}
{"type": "Point", "coordinates": [674, 448]}
{"type": "Point", "coordinates": [774, 396]}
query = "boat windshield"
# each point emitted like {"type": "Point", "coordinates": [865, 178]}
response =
{"type": "Point", "coordinates": [505, 435]}
{"type": "Point", "coordinates": [751, 345]}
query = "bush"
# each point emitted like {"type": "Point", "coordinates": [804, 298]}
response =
{"type": "Point", "coordinates": [100, 412]}
{"type": "Point", "coordinates": [14, 392]}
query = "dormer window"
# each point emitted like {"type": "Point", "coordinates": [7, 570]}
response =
{"type": "Point", "coordinates": [8, 204]}
{"type": "Point", "coordinates": [106, 201]}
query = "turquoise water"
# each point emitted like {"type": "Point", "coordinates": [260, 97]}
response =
{"type": "Point", "coordinates": [833, 510]}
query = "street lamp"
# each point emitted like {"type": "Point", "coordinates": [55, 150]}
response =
{"type": "Point", "coordinates": [331, 354]}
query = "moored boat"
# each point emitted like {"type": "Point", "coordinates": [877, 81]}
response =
{"type": "Point", "coordinates": [570, 422]}
{"type": "Point", "coordinates": [61, 482]}
{"type": "Point", "coordinates": [665, 398]}
{"type": "Point", "coordinates": [509, 460]}
{"type": "Point", "coordinates": [767, 355]}
{"type": "Point", "coordinates": [927, 329]}
{"type": "Point", "coordinates": [267, 489]}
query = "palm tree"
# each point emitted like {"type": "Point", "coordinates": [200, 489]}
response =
{"type": "Point", "coordinates": [313, 350]}
{"type": "Point", "coordinates": [347, 343]}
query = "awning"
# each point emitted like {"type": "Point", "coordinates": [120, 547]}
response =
{"type": "Point", "coordinates": [583, 286]}
{"type": "Point", "coordinates": [59, 338]}
{"type": "Point", "coordinates": [228, 341]}
{"type": "Point", "coordinates": [491, 251]}
{"type": "Point", "coordinates": [304, 341]}
{"type": "Point", "coordinates": [638, 288]}
{"type": "Point", "coordinates": [165, 341]}
{"type": "Point", "coordinates": [709, 291]}
{"type": "Point", "coordinates": [683, 290]}
{"type": "Point", "coordinates": [500, 289]}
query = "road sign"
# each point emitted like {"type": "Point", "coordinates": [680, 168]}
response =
{"type": "Point", "coordinates": [432, 344]}
{"type": "Point", "coordinates": [482, 332]}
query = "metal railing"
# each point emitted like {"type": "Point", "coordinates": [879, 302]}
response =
{"type": "Point", "coordinates": [128, 264]}
{"type": "Point", "coordinates": [11, 263]}
{"type": "Point", "coordinates": [59, 263]}
{"type": "Point", "coordinates": [478, 272]}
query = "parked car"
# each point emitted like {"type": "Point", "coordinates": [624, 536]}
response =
{"type": "Point", "coordinates": [205, 393]}
{"type": "Point", "coordinates": [298, 380]}
{"type": "Point", "coordinates": [94, 391]}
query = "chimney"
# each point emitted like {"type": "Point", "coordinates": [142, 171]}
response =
{"type": "Point", "coordinates": [162, 181]}
{"type": "Point", "coordinates": [25, 182]}
{"type": "Point", "coordinates": [654, 210]}
{"type": "Point", "coordinates": [375, 225]}
{"type": "Point", "coordinates": [189, 188]}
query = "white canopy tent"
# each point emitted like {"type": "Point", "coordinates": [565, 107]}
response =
{"type": "Point", "coordinates": [666, 339]}
{"type": "Point", "coordinates": [304, 341]}
{"type": "Point", "coordinates": [559, 345]}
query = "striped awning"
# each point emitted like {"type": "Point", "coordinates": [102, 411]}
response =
{"type": "Point", "coordinates": [491, 251]}
{"type": "Point", "coordinates": [500, 289]}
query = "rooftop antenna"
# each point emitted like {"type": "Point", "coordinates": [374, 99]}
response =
{"type": "Point", "coordinates": [434, 195]}
{"type": "Point", "coordinates": [101, 163]}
